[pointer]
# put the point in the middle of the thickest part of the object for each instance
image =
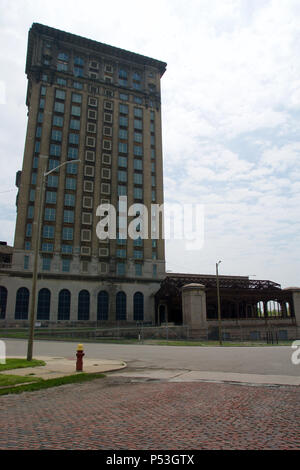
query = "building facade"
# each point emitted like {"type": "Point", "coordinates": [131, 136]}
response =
{"type": "Point", "coordinates": [94, 124]}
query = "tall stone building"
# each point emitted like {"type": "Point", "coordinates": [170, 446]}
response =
{"type": "Point", "coordinates": [101, 105]}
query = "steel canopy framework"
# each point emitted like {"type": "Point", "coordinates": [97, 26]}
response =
{"type": "Point", "coordinates": [241, 297]}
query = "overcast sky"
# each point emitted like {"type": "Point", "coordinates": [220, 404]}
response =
{"type": "Point", "coordinates": [230, 109]}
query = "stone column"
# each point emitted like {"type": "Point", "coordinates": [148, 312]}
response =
{"type": "Point", "coordinates": [194, 307]}
{"type": "Point", "coordinates": [296, 300]}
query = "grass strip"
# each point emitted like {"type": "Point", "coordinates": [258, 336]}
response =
{"type": "Point", "coordinates": [44, 384]}
{"type": "Point", "coordinates": [11, 380]}
{"type": "Point", "coordinates": [16, 363]}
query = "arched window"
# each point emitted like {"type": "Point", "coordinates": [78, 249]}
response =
{"type": "Point", "coordinates": [43, 310]}
{"type": "Point", "coordinates": [138, 306]}
{"type": "Point", "coordinates": [84, 305]}
{"type": "Point", "coordinates": [64, 302]}
{"type": "Point", "coordinates": [121, 306]}
{"type": "Point", "coordinates": [22, 303]}
{"type": "Point", "coordinates": [3, 302]}
{"type": "Point", "coordinates": [102, 309]}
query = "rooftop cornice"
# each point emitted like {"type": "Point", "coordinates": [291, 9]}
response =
{"type": "Point", "coordinates": [98, 47]}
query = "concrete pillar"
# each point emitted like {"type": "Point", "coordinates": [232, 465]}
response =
{"type": "Point", "coordinates": [194, 306]}
{"type": "Point", "coordinates": [296, 300]}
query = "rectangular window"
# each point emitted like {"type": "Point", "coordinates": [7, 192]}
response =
{"type": "Point", "coordinates": [59, 107]}
{"type": "Point", "coordinates": [90, 156]}
{"type": "Point", "coordinates": [154, 270]}
{"type": "Point", "coordinates": [58, 121]}
{"type": "Point", "coordinates": [70, 183]}
{"type": "Point", "coordinates": [30, 212]}
{"type": "Point", "coordinates": [38, 133]}
{"type": "Point", "coordinates": [48, 247]}
{"type": "Point", "coordinates": [66, 263]}
{"type": "Point", "coordinates": [86, 235]}
{"type": "Point", "coordinates": [76, 98]}
{"type": "Point", "coordinates": [138, 124]}
{"type": "Point", "coordinates": [108, 118]}
{"type": "Point", "coordinates": [122, 176]}
{"type": "Point", "coordinates": [121, 269]}
{"type": "Point", "coordinates": [138, 112]}
{"type": "Point", "coordinates": [138, 254]}
{"type": "Point", "coordinates": [138, 100]}
{"type": "Point", "coordinates": [37, 147]}
{"type": "Point", "coordinates": [123, 121]}
{"type": "Point", "coordinates": [32, 195]}
{"type": "Point", "coordinates": [90, 142]}
{"type": "Point", "coordinates": [106, 158]}
{"type": "Point", "coordinates": [51, 197]}
{"type": "Point", "coordinates": [138, 269]}
{"type": "Point", "coordinates": [122, 190]}
{"type": "Point", "coordinates": [87, 202]}
{"type": "Point", "coordinates": [56, 135]}
{"type": "Point", "coordinates": [123, 134]}
{"type": "Point", "coordinates": [123, 148]}
{"type": "Point", "coordinates": [46, 266]}
{"type": "Point", "coordinates": [60, 94]}
{"type": "Point", "coordinates": [92, 114]}
{"type": "Point", "coordinates": [138, 164]}
{"type": "Point", "coordinates": [93, 101]}
{"type": "Point", "coordinates": [74, 139]}
{"type": "Point", "coordinates": [108, 105]}
{"type": "Point", "coordinates": [75, 124]}
{"type": "Point", "coordinates": [67, 249]}
{"type": "Point", "coordinates": [105, 188]}
{"type": "Point", "coordinates": [33, 178]}
{"type": "Point", "coordinates": [75, 110]}
{"type": "Point", "coordinates": [89, 171]}
{"type": "Point", "coordinates": [52, 181]}
{"type": "Point", "coordinates": [106, 144]}
{"type": "Point", "coordinates": [88, 186]}
{"type": "Point", "coordinates": [68, 217]}
{"type": "Point", "coordinates": [124, 108]}
{"type": "Point", "coordinates": [73, 153]}
{"type": "Point", "coordinates": [48, 231]}
{"type": "Point", "coordinates": [138, 178]}
{"type": "Point", "coordinates": [122, 162]}
{"type": "Point", "coordinates": [138, 137]}
{"type": "Point", "coordinates": [86, 218]}
{"type": "Point", "coordinates": [138, 150]}
{"type": "Point", "coordinates": [40, 118]}
{"type": "Point", "coordinates": [124, 97]}
{"type": "Point", "coordinates": [69, 200]}
{"type": "Point", "coordinates": [55, 150]}
{"type": "Point", "coordinates": [78, 85]}
{"type": "Point", "coordinates": [91, 128]}
{"type": "Point", "coordinates": [106, 173]}
{"type": "Point", "coordinates": [67, 233]}
{"type": "Point", "coordinates": [121, 253]}
{"type": "Point", "coordinates": [50, 214]}
{"type": "Point", "coordinates": [72, 169]}
{"type": "Point", "coordinates": [138, 193]}
{"type": "Point", "coordinates": [107, 131]}
{"type": "Point", "coordinates": [61, 81]}
{"type": "Point", "coordinates": [28, 230]}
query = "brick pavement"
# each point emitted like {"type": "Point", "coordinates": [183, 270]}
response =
{"type": "Point", "coordinates": [108, 414]}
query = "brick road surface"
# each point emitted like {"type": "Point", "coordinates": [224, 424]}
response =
{"type": "Point", "coordinates": [107, 414]}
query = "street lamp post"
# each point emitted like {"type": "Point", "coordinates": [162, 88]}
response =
{"type": "Point", "coordinates": [33, 302]}
{"type": "Point", "coordinates": [219, 303]}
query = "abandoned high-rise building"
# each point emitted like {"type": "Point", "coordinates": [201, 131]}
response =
{"type": "Point", "coordinates": [97, 107]}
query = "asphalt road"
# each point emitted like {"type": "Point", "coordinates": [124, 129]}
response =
{"type": "Point", "coordinates": [243, 360]}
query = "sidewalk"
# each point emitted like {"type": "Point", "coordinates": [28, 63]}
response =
{"type": "Point", "coordinates": [60, 367]}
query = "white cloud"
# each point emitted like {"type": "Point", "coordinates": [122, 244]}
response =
{"type": "Point", "coordinates": [230, 103]}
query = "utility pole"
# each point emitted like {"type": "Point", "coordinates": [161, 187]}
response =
{"type": "Point", "coordinates": [36, 250]}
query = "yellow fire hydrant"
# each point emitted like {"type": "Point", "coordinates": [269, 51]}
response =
{"type": "Point", "coordinates": [79, 355]}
